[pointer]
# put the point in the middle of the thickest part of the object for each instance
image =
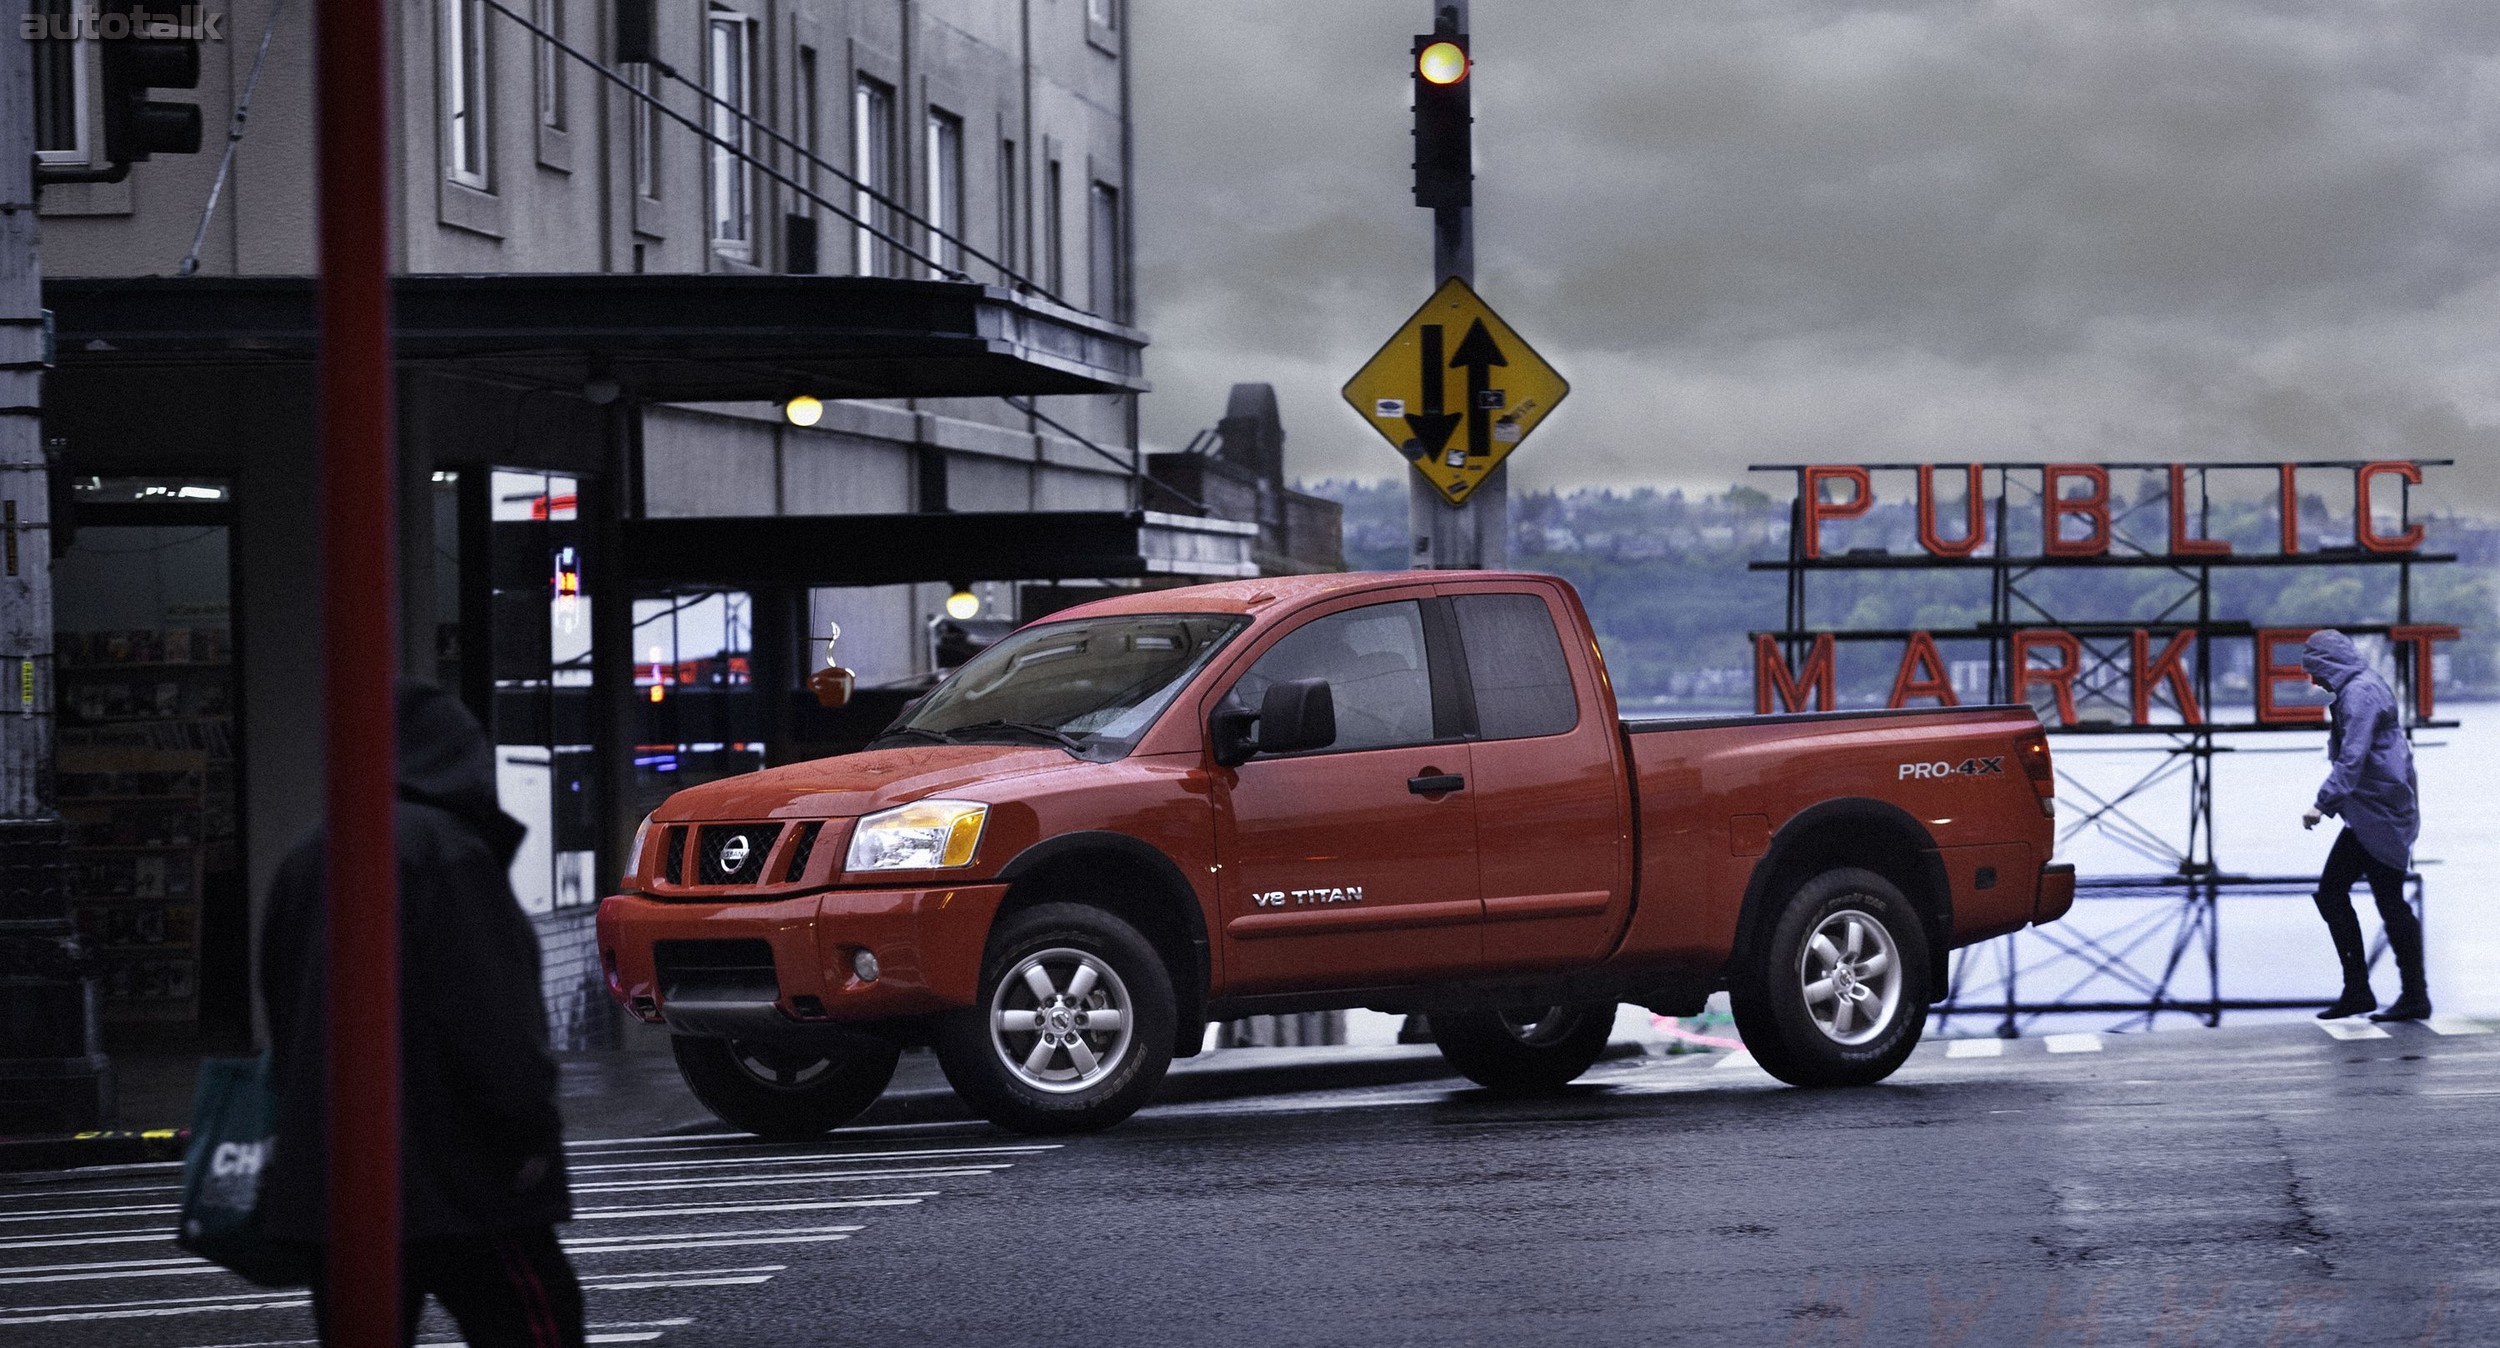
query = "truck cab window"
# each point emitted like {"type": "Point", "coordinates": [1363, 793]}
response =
{"type": "Point", "coordinates": [1515, 662]}
{"type": "Point", "coordinates": [1373, 659]}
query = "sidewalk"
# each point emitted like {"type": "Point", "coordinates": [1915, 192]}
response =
{"type": "Point", "coordinates": [636, 1092]}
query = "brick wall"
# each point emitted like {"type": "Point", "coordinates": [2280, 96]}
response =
{"type": "Point", "coordinates": [579, 1013]}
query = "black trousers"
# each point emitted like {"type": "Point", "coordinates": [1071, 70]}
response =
{"type": "Point", "coordinates": [2348, 861]}
{"type": "Point", "coordinates": [505, 1289]}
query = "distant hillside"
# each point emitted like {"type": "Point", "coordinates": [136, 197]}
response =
{"type": "Point", "coordinates": [1665, 579]}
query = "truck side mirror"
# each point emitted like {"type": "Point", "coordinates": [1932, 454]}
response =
{"type": "Point", "coordinates": [1295, 715]}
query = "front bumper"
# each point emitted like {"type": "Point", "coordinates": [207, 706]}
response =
{"type": "Point", "coordinates": [928, 944]}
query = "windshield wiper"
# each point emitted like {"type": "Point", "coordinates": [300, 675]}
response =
{"type": "Point", "coordinates": [897, 732]}
{"type": "Point", "coordinates": [1052, 733]}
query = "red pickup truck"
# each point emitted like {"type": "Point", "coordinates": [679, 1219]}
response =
{"type": "Point", "coordinates": [1409, 792]}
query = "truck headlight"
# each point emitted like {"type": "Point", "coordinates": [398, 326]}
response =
{"type": "Point", "coordinates": [642, 834]}
{"type": "Point", "coordinates": [925, 835]}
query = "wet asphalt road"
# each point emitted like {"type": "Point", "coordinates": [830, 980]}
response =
{"type": "Point", "coordinates": [2245, 1186]}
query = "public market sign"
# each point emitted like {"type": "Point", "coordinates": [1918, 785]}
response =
{"type": "Point", "coordinates": [2019, 521]}
{"type": "Point", "coordinates": [1455, 390]}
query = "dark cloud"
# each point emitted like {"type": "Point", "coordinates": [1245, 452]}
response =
{"type": "Point", "coordinates": [1766, 229]}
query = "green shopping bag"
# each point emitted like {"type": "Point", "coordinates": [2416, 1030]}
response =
{"type": "Point", "coordinates": [234, 1123]}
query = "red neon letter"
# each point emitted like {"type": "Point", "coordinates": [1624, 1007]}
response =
{"type": "Point", "coordinates": [2271, 672]}
{"type": "Point", "coordinates": [2420, 636]}
{"type": "Point", "coordinates": [2093, 506]}
{"type": "Point", "coordinates": [2171, 664]}
{"type": "Point", "coordinates": [1922, 673]}
{"type": "Point", "coordinates": [2364, 529]}
{"type": "Point", "coordinates": [1816, 509]}
{"type": "Point", "coordinates": [2060, 677]}
{"type": "Point", "coordinates": [2288, 497]}
{"type": "Point", "coordinates": [1974, 516]}
{"type": "Point", "coordinates": [1770, 671]}
{"type": "Point", "coordinates": [2180, 544]}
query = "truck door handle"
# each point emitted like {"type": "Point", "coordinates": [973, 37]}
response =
{"type": "Point", "coordinates": [1433, 783]}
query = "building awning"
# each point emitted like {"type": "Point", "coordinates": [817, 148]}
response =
{"type": "Point", "coordinates": [800, 551]}
{"type": "Point", "coordinates": [662, 338]}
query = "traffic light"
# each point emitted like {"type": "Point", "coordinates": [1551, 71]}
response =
{"type": "Point", "coordinates": [1444, 167]}
{"type": "Point", "coordinates": [135, 125]}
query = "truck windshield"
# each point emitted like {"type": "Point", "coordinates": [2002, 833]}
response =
{"type": "Point", "coordinates": [1091, 686]}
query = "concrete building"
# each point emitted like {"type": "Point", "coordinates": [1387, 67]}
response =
{"type": "Point", "coordinates": [616, 543]}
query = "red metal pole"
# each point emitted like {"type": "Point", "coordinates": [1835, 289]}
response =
{"type": "Point", "coordinates": [360, 601]}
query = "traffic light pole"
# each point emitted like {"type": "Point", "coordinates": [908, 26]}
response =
{"type": "Point", "coordinates": [1473, 536]}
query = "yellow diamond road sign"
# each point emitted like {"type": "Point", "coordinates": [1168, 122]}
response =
{"type": "Point", "coordinates": [1455, 390]}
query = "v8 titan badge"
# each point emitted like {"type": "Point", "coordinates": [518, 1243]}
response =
{"type": "Point", "coordinates": [1455, 390]}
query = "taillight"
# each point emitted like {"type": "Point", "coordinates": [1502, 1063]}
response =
{"type": "Point", "coordinates": [2033, 750]}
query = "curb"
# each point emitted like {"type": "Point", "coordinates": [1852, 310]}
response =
{"type": "Point", "coordinates": [113, 1147]}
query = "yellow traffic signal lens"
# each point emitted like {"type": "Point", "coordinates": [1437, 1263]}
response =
{"type": "Point", "coordinates": [803, 410]}
{"type": "Point", "coordinates": [1442, 63]}
{"type": "Point", "coordinates": [963, 605]}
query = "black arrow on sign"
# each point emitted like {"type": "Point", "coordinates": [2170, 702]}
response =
{"type": "Point", "coordinates": [1431, 425]}
{"type": "Point", "coordinates": [1478, 353]}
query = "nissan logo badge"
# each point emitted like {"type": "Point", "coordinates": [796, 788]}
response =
{"type": "Point", "coordinates": [733, 853]}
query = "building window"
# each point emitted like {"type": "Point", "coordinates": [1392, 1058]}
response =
{"type": "Point", "coordinates": [1108, 297]}
{"type": "Point", "coordinates": [1008, 253]}
{"type": "Point", "coordinates": [646, 137]}
{"type": "Point", "coordinates": [61, 86]}
{"type": "Point", "coordinates": [1054, 235]}
{"type": "Point", "coordinates": [550, 19]}
{"type": "Point", "coordinates": [729, 68]}
{"type": "Point", "coordinates": [466, 128]}
{"type": "Point", "coordinates": [872, 165]}
{"type": "Point", "coordinates": [946, 194]}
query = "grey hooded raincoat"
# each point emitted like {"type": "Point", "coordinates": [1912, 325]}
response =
{"type": "Point", "coordinates": [2371, 786]}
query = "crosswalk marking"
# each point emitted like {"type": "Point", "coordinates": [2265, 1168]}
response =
{"type": "Point", "coordinates": [1975, 1048]}
{"type": "Point", "coordinates": [2072, 1043]}
{"type": "Point", "coordinates": [2456, 1025]}
{"type": "Point", "coordinates": [2351, 1029]}
{"type": "Point", "coordinates": [1736, 1058]}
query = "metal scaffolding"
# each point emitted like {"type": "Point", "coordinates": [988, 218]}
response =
{"type": "Point", "coordinates": [2157, 936]}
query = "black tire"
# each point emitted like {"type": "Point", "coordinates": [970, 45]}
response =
{"type": "Point", "coordinates": [1524, 1050]}
{"type": "Point", "coordinates": [1067, 1074]}
{"type": "Point", "coordinates": [1803, 1038]}
{"type": "Point", "coordinates": [786, 1092]}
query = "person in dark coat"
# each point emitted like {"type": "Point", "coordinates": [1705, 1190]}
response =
{"type": "Point", "coordinates": [482, 1165]}
{"type": "Point", "coordinates": [2371, 787]}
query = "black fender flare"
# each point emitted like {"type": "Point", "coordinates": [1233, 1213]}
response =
{"type": "Point", "coordinates": [1790, 845]}
{"type": "Point", "coordinates": [1191, 992]}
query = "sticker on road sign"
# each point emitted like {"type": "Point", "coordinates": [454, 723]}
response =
{"type": "Point", "coordinates": [1431, 392]}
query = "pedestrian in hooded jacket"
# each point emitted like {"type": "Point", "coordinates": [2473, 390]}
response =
{"type": "Point", "coordinates": [482, 1165]}
{"type": "Point", "coordinates": [2371, 788]}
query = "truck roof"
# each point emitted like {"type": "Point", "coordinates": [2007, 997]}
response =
{"type": "Point", "coordinates": [1258, 592]}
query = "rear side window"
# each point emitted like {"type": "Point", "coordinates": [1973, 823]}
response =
{"type": "Point", "coordinates": [1373, 659]}
{"type": "Point", "coordinates": [1522, 683]}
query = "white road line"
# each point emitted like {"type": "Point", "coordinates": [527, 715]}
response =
{"type": "Point", "coordinates": [707, 1244]}
{"type": "Point", "coordinates": [812, 1158]}
{"type": "Point", "coordinates": [2351, 1029]}
{"type": "Point", "coordinates": [1974, 1048]}
{"type": "Point", "coordinates": [750, 1280]}
{"type": "Point", "coordinates": [60, 1214]}
{"type": "Point", "coordinates": [582, 1241]}
{"type": "Point", "coordinates": [748, 1182]}
{"type": "Point", "coordinates": [724, 1209]}
{"type": "Point", "coordinates": [2456, 1025]}
{"type": "Point", "coordinates": [2072, 1043]}
{"type": "Point", "coordinates": [1736, 1058]}
{"type": "Point", "coordinates": [162, 1301]}
{"type": "Point", "coordinates": [70, 1240]}
{"type": "Point", "coordinates": [271, 1301]}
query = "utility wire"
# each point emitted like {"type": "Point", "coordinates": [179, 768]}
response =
{"type": "Point", "coordinates": [234, 137]}
{"type": "Point", "coordinates": [681, 119]}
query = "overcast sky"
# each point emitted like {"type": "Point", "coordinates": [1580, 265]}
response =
{"type": "Point", "coordinates": [1754, 230]}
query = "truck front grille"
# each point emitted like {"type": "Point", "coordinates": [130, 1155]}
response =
{"type": "Point", "coordinates": [800, 851]}
{"type": "Point", "coordinates": [733, 854]}
{"type": "Point", "coordinates": [715, 970]}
